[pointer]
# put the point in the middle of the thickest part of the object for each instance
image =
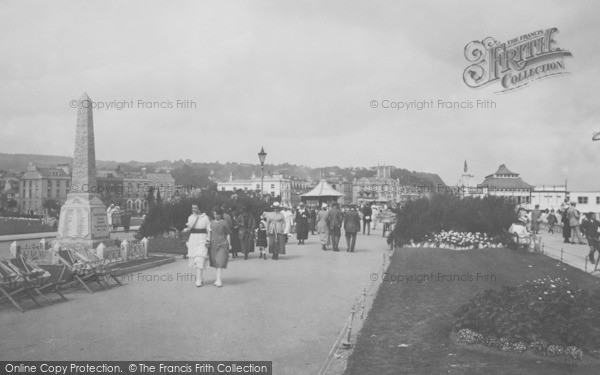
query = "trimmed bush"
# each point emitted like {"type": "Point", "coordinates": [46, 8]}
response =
{"type": "Point", "coordinates": [444, 212]}
{"type": "Point", "coordinates": [173, 215]}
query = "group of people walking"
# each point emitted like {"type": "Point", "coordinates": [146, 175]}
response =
{"type": "Point", "coordinates": [211, 242]}
{"type": "Point", "coordinates": [575, 225]}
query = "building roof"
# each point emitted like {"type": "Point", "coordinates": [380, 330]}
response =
{"type": "Point", "coordinates": [323, 189]}
{"type": "Point", "coordinates": [504, 183]}
{"type": "Point", "coordinates": [42, 172]}
{"type": "Point", "coordinates": [502, 170]}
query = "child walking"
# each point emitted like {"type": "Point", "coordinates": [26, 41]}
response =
{"type": "Point", "coordinates": [261, 238]}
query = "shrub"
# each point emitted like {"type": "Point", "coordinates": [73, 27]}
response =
{"type": "Point", "coordinates": [174, 214]}
{"type": "Point", "coordinates": [542, 312]}
{"type": "Point", "coordinates": [444, 212]}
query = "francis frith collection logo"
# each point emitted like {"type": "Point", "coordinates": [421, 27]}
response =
{"type": "Point", "coordinates": [515, 63]}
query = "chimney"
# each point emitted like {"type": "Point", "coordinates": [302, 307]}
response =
{"type": "Point", "coordinates": [230, 176]}
{"type": "Point", "coordinates": [144, 172]}
{"type": "Point", "coordinates": [253, 176]}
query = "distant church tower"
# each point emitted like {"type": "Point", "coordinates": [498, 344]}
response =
{"type": "Point", "coordinates": [467, 180]}
{"type": "Point", "coordinates": [384, 171]}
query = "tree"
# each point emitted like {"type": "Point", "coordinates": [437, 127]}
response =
{"type": "Point", "coordinates": [150, 197]}
{"type": "Point", "coordinates": [158, 198]}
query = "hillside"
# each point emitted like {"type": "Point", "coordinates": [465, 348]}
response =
{"type": "Point", "coordinates": [188, 172]}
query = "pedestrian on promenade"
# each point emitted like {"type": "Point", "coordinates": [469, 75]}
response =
{"type": "Point", "coordinates": [351, 227]}
{"type": "Point", "coordinates": [312, 219]}
{"type": "Point", "coordinates": [228, 218]}
{"type": "Point", "coordinates": [536, 214]}
{"type": "Point", "coordinates": [367, 213]}
{"type": "Point", "coordinates": [334, 220]}
{"type": "Point", "coordinates": [246, 225]}
{"type": "Point", "coordinates": [552, 220]}
{"type": "Point", "coordinates": [374, 216]}
{"type": "Point", "coordinates": [322, 227]}
{"type": "Point", "coordinates": [220, 242]}
{"type": "Point", "coordinates": [289, 220]}
{"type": "Point", "coordinates": [566, 228]}
{"type": "Point", "coordinates": [591, 230]}
{"type": "Point", "coordinates": [573, 215]}
{"type": "Point", "coordinates": [302, 224]}
{"type": "Point", "coordinates": [261, 237]}
{"type": "Point", "coordinates": [198, 225]}
{"type": "Point", "coordinates": [277, 227]}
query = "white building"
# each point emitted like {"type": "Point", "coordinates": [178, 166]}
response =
{"type": "Point", "coordinates": [587, 201]}
{"type": "Point", "coordinates": [276, 186]}
{"type": "Point", "coordinates": [548, 196]}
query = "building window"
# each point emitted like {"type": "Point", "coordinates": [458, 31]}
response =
{"type": "Point", "coordinates": [582, 200]}
{"type": "Point", "coordinates": [258, 186]}
{"type": "Point", "coordinates": [272, 186]}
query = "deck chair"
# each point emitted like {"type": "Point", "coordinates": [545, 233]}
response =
{"type": "Point", "coordinates": [97, 264]}
{"type": "Point", "coordinates": [79, 273]}
{"type": "Point", "coordinates": [36, 278]}
{"type": "Point", "coordinates": [12, 285]}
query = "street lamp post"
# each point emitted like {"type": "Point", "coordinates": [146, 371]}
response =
{"type": "Point", "coordinates": [262, 155]}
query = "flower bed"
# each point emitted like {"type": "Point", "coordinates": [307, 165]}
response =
{"type": "Point", "coordinates": [549, 317]}
{"type": "Point", "coordinates": [458, 240]}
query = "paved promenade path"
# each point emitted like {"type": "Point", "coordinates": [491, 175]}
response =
{"type": "Point", "coordinates": [289, 311]}
{"type": "Point", "coordinates": [572, 254]}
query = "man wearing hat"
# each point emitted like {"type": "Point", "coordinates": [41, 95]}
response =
{"type": "Point", "coordinates": [322, 227]}
{"type": "Point", "coordinates": [573, 215]}
{"type": "Point", "coordinates": [276, 230]}
{"type": "Point", "coordinates": [351, 227]}
{"type": "Point", "coordinates": [334, 223]}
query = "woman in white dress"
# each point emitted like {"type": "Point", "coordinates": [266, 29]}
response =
{"type": "Point", "coordinates": [199, 227]}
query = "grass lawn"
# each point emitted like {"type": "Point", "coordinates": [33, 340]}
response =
{"type": "Point", "coordinates": [419, 314]}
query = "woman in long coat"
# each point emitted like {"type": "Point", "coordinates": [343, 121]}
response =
{"type": "Point", "coordinates": [302, 216]}
{"type": "Point", "coordinates": [219, 244]}
{"type": "Point", "coordinates": [322, 226]}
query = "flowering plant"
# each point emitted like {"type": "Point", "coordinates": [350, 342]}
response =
{"type": "Point", "coordinates": [549, 311]}
{"type": "Point", "coordinates": [460, 239]}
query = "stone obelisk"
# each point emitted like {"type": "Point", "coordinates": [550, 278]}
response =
{"type": "Point", "coordinates": [83, 220]}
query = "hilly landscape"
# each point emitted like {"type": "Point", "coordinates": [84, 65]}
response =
{"type": "Point", "coordinates": [202, 173]}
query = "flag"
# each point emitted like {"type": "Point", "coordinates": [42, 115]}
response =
{"type": "Point", "coordinates": [465, 168]}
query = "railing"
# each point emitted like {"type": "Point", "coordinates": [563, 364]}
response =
{"type": "Point", "coordinates": [345, 336]}
{"type": "Point", "coordinates": [563, 256]}
{"type": "Point", "coordinates": [44, 254]}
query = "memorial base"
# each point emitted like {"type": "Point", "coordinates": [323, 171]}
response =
{"type": "Point", "coordinates": [83, 221]}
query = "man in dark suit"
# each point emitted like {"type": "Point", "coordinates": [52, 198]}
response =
{"type": "Point", "coordinates": [334, 223]}
{"type": "Point", "coordinates": [367, 212]}
{"type": "Point", "coordinates": [351, 227]}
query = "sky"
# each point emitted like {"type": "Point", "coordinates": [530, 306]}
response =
{"type": "Point", "coordinates": [300, 78]}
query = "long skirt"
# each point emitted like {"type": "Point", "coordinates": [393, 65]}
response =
{"type": "Point", "coordinates": [277, 243]}
{"type": "Point", "coordinates": [302, 229]}
{"type": "Point", "coordinates": [325, 238]}
{"type": "Point", "coordinates": [219, 254]}
{"type": "Point", "coordinates": [197, 251]}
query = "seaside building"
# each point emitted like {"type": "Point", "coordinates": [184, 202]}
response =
{"type": "Point", "coordinates": [504, 183]}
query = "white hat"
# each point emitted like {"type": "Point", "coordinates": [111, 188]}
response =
{"type": "Point", "coordinates": [276, 205]}
{"type": "Point", "coordinates": [324, 205]}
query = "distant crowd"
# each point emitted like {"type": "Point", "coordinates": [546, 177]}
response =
{"type": "Point", "coordinates": [231, 233]}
